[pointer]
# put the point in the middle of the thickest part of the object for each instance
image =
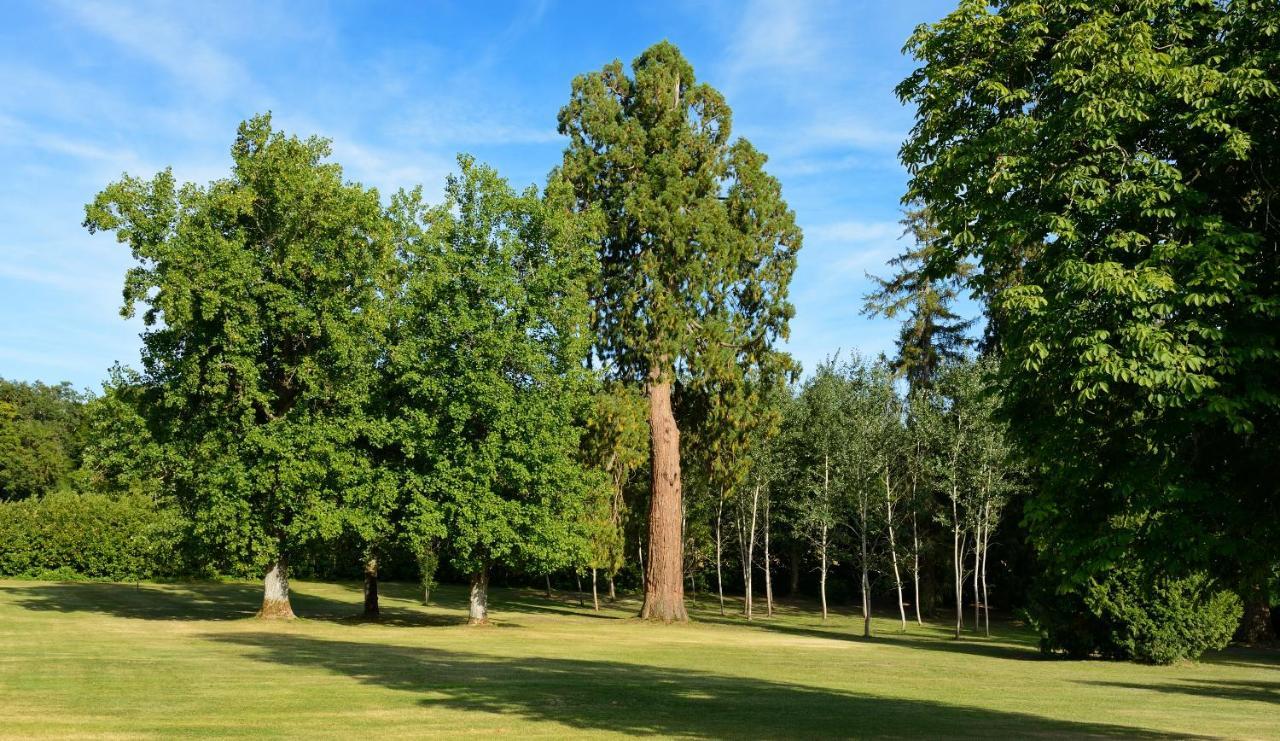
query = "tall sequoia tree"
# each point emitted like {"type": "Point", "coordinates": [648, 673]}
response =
{"type": "Point", "coordinates": [696, 256]}
{"type": "Point", "coordinates": [263, 316]}
{"type": "Point", "coordinates": [1111, 169]}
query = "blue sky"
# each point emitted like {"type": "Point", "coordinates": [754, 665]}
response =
{"type": "Point", "coordinates": [89, 90]}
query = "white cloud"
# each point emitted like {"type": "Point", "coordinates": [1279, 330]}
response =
{"type": "Point", "coordinates": [159, 37]}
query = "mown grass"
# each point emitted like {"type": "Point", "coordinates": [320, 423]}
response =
{"type": "Point", "coordinates": [189, 660]}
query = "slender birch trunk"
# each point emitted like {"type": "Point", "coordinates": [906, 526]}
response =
{"type": "Point", "coordinates": [595, 597]}
{"type": "Point", "coordinates": [977, 570]}
{"type": "Point", "coordinates": [822, 580]}
{"type": "Point", "coordinates": [748, 566]}
{"type": "Point", "coordinates": [613, 595]}
{"type": "Point", "coordinates": [866, 582]}
{"type": "Point", "coordinates": [768, 565]}
{"type": "Point", "coordinates": [957, 561]}
{"type": "Point", "coordinates": [893, 549]}
{"type": "Point", "coordinates": [719, 554]}
{"type": "Point", "coordinates": [915, 565]}
{"type": "Point", "coordinates": [986, 552]}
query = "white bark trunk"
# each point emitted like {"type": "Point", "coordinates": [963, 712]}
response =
{"type": "Point", "coordinates": [915, 565]}
{"type": "Point", "coordinates": [893, 550]}
{"type": "Point", "coordinates": [478, 605]}
{"type": "Point", "coordinates": [768, 566]}
{"type": "Point", "coordinates": [595, 596]}
{"type": "Point", "coordinates": [719, 556]}
{"type": "Point", "coordinates": [275, 592]}
{"type": "Point", "coordinates": [822, 580]}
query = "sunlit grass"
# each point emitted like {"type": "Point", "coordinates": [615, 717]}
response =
{"type": "Point", "coordinates": [188, 659]}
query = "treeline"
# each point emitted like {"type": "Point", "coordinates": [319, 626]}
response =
{"type": "Point", "coordinates": [585, 377]}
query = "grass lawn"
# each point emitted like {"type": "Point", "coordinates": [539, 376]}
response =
{"type": "Point", "coordinates": [188, 659]}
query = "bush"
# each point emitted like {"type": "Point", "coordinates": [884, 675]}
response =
{"type": "Point", "coordinates": [65, 534]}
{"type": "Point", "coordinates": [1129, 615]}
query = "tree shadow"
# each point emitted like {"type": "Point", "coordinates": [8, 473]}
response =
{"type": "Point", "coordinates": [1222, 689]}
{"type": "Point", "coordinates": [999, 646]}
{"type": "Point", "coordinates": [638, 699]}
{"type": "Point", "coordinates": [203, 601]}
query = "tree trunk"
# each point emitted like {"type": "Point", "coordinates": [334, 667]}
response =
{"type": "Point", "coordinates": [719, 558]}
{"type": "Point", "coordinates": [893, 551]}
{"type": "Point", "coordinates": [664, 578]}
{"type": "Point", "coordinates": [822, 575]}
{"type": "Point", "coordinates": [548, 592]}
{"type": "Point", "coordinates": [768, 566]}
{"type": "Point", "coordinates": [371, 587]}
{"type": "Point", "coordinates": [748, 562]}
{"type": "Point", "coordinates": [478, 607]}
{"type": "Point", "coordinates": [915, 567]}
{"type": "Point", "coordinates": [577, 575]}
{"type": "Point", "coordinates": [275, 592]}
{"type": "Point", "coordinates": [613, 595]}
{"type": "Point", "coordinates": [1255, 623]}
{"type": "Point", "coordinates": [977, 571]}
{"type": "Point", "coordinates": [957, 562]}
{"type": "Point", "coordinates": [595, 596]}
{"type": "Point", "coordinates": [986, 552]}
{"type": "Point", "coordinates": [866, 582]}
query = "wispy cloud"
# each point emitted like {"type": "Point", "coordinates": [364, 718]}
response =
{"type": "Point", "coordinates": [157, 35]}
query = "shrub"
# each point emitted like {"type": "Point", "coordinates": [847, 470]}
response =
{"type": "Point", "coordinates": [94, 536]}
{"type": "Point", "coordinates": [1130, 615]}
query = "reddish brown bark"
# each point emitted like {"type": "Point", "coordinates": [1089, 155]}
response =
{"type": "Point", "coordinates": [664, 569]}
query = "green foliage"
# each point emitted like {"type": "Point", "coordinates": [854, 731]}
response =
{"type": "Point", "coordinates": [67, 535]}
{"type": "Point", "coordinates": [1107, 167]}
{"type": "Point", "coordinates": [42, 436]}
{"type": "Point", "coordinates": [488, 372]}
{"type": "Point", "coordinates": [616, 441]}
{"type": "Point", "coordinates": [263, 313]}
{"type": "Point", "coordinates": [932, 334]}
{"type": "Point", "coordinates": [698, 246]}
{"type": "Point", "coordinates": [1129, 614]}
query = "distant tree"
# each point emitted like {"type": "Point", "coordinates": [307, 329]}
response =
{"type": "Point", "coordinates": [42, 436]}
{"type": "Point", "coordinates": [696, 256]}
{"type": "Point", "coordinates": [263, 296]}
{"type": "Point", "coordinates": [819, 436]}
{"type": "Point", "coordinates": [615, 441]}
{"type": "Point", "coordinates": [489, 367]}
{"type": "Point", "coordinates": [1109, 168]}
{"type": "Point", "coordinates": [932, 333]}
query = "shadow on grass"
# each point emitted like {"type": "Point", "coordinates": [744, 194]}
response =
{"type": "Point", "coordinates": [639, 699]}
{"type": "Point", "coordinates": [204, 601]}
{"type": "Point", "coordinates": [1222, 689]}
{"type": "Point", "coordinates": [999, 646]}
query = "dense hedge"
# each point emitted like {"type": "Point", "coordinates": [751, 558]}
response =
{"type": "Point", "coordinates": [1128, 615]}
{"type": "Point", "coordinates": [70, 535]}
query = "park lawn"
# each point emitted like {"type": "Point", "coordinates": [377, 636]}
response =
{"type": "Point", "coordinates": [113, 660]}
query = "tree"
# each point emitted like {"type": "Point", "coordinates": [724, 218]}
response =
{"type": "Point", "coordinates": [263, 296]}
{"type": "Point", "coordinates": [1107, 166]}
{"type": "Point", "coordinates": [932, 333]}
{"type": "Point", "coordinates": [819, 434]}
{"type": "Point", "coordinates": [615, 442]}
{"type": "Point", "coordinates": [42, 436]}
{"type": "Point", "coordinates": [489, 366]}
{"type": "Point", "coordinates": [696, 255]}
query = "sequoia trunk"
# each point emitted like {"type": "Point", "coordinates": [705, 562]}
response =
{"type": "Point", "coordinates": [478, 612]}
{"type": "Point", "coordinates": [275, 592]}
{"type": "Point", "coordinates": [664, 575]}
